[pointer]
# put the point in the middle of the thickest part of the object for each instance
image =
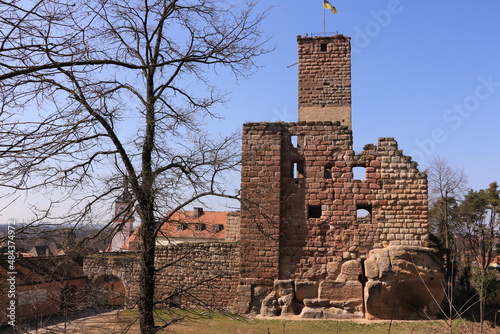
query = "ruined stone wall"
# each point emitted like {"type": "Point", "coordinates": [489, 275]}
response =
{"type": "Point", "coordinates": [260, 201]}
{"type": "Point", "coordinates": [199, 275]}
{"type": "Point", "coordinates": [303, 243]}
{"type": "Point", "coordinates": [324, 67]}
{"type": "Point", "coordinates": [306, 199]}
{"type": "Point", "coordinates": [122, 265]}
{"type": "Point", "coordinates": [233, 227]}
{"type": "Point", "coordinates": [193, 275]}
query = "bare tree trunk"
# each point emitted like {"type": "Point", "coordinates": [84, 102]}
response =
{"type": "Point", "coordinates": [147, 281]}
{"type": "Point", "coordinates": [95, 93]}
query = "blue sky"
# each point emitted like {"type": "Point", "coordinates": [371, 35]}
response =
{"type": "Point", "coordinates": [424, 72]}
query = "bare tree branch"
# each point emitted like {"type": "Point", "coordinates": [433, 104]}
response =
{"type": "Point", "coordinates": [100, 92]}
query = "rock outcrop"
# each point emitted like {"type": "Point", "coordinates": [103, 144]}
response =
{"type": "Point", "coordinates": [397, 282]}
{"type": "Point", "coordinates": [404, 282]}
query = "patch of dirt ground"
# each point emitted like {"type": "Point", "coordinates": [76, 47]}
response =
{"type": "Point", "coordinates": [126, 322]}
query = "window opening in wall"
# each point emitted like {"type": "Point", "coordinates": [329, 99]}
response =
{"type": "Point", "coordinates": [359, 173]}
{"type": "Point", "coordinates": [364, 214]}
{"type": "Point", "coordinates": [217, 228]}
{"type": "Point", "coordinates": [323, 47]}
{"type": "Point", "coordinates": [181, 227]}
{"type": "Point", "coordinates": [327, 173]}
{"type": "Point", "coordinates": [200, 227]}
{"type": "Point", "coordinates": [314, 211]}
{"type": "Point", "coordinates": [295, 141]}
{"type": "Point", "coordinates": [297, 170]}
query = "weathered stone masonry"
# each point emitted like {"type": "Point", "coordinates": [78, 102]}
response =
{"type": "Point", "coordinates": [193, 275]}
{"type": "Point", "coordinates": [303, 245]}
{"type": "Point", "coordinates": [325, 79]}
{"type": "Point", "coordinates": [311, 214]}
{"type": "Point", "coordinates": [300, 219]}
{"type": "Point", "coordinates": [303, 248]}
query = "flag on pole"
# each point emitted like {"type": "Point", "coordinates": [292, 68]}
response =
{"type": "Point", "coordinates": [328, 5]}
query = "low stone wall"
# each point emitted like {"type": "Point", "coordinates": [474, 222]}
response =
{"type": "Point", "coordinates": [121, 266]}
{"type": "Point", "coordinates": [191, 275]}
{"type": "Point", "coordinates": [198, 275]}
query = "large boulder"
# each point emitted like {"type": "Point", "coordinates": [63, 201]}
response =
{"type": "Point", "coordinates": [259, 294]}
{"type": "Point", "coordinates": [306, 289]}
{"type": "Point", "coordinates": [285, 293]}
{"type": "Point", "coordinates": [269, 306]}
{"type": "Point", "coordinates": [350, 271]}
{"type": "Point", "coordinates": [404, 282]}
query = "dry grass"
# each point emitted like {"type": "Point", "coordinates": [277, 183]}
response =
{"type": "Point", "coordinates": [203, 323]}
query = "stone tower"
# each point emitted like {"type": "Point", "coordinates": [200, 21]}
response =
{"type": "Point", "coordinates": [310, 220]}
{"type": "Point", "coordinates": [123, 221]}
{"type": "Point", "coordinates": [325, 79]}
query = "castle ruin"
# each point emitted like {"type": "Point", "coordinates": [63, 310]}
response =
{"type": "Point", "coordinates": [303, 246]}
{"type": "Point", "coordinates": [299, 219]}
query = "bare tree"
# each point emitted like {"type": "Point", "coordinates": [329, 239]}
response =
{"type": "Point", "coordinates": [447, 187]}
{"type": "Point", "coordinates": [96, 92]}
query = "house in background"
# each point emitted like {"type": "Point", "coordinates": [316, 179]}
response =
{"type": "Point", "coordinates": [193, 226]}
{"type": "Point", "coordinates": [45, 285]}
{"type": "Point", "coordinates": [197, 226]}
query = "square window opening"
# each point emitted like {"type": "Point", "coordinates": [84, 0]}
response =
{"type": "Point", "coordinates": [217, 228]}
{"type": "Point", "coordinates": [359, 173]}
{"type": "Point", "coordinates": [327, 173]}
{"type": "Point", "coordinates": [314, 211]}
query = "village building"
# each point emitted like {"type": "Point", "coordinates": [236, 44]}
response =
{"type": "Point", "coordinates": [196, 226]}
{"type": "Point", "coordinates": [44, 285]}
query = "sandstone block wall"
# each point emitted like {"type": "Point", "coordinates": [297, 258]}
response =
{"type": "Point", "coordinates": [199, 275]}
{"type": "Point", "coordinates": [192, 275]}
{"type": "Point", "coordinates": [302, 201]}
{"type": "Point", "coordinates": [260, 201]}
{"type": "Point", "coordinates": [325, 79]}
{"type": "Point", "coordinates": [233, 227]}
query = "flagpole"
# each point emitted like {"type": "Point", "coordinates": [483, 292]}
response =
{"type": "Point", "coordinates": [324, 20]}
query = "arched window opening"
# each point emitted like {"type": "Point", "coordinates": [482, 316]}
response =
{"type": "Point", "coordinates": [364, 214]}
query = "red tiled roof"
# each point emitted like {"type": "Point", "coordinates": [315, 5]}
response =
{"type": "Point", "coordinates": [206, 224]}
{"type": "Point", "coordinates": [42, 269]}
{"type": "Point", "coordinates": [208, 221]}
